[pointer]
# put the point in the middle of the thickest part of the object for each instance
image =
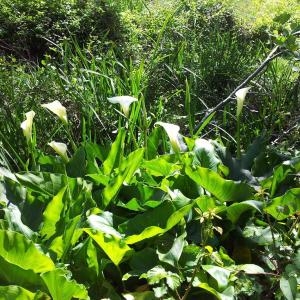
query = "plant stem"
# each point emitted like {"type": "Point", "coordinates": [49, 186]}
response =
{"type": "Point", "coordinates": [269, 58]}
{"type": "Point", "coordinates": [192, 279]}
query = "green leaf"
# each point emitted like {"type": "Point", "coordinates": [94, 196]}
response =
{"type": "Point", "coordinates": [288, 287]}
{"type": "Point", "coordinates": [153, 222]}
{"type": "Point", "coordinates": [115, 154]}
{"type": "Point", "coordinates": [227, 294]}
{"type": "Point", "coordinates": [173, 255]}
{"type": "Point", "coordinates": [224, 190]}
{"type": "Point", "coordinates": [143, 260]}
{"type": "Point", "coordinates": [158, 273]}
{"type": "Point", "coordinates": [251, 269]}
{"type": "Point", "coordinates": [52, 214]}
{"type": "Point", "coordinates": [14, 292]}
{"type": "Point", "coordinates": [113, 246]}
{"type": "Point", "coordinates": [42, 182]}
{"type": "Point", "coordinates": [126, 171]}
{"type": "Point", "coordinates": [284, 206]}
{"type": "Point", "coordinates": [76, 167]}
{"type": "Point", "coordinates": [17, 250]}
{"type": "Point", "coordinates": [160, 167]}
{"type": "Point", "coordinates": [61, 287]}
{"type": "Point", "coordinates": [221, 275]}
{"type": "Point", "coordinates": [235, 210]}
{"type": "Point", "coordinates": [205, 155]}
{"type": "Point", "coordinates": [13, 218]}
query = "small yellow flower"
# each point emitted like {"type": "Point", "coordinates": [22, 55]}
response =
{"type": "Point", "coordinates": [240, 97]}
{"type": "Point", "coordinates": [124, 102]}
{"type": "Point", "coordinates": [27, 125]}
{"type": "Point", "coordinates": [58, 109]}
{"type": "Point", "coordinates": [60, 149]}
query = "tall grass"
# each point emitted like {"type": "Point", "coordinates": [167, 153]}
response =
{"type": "Point", "coordinates": [191, 58]}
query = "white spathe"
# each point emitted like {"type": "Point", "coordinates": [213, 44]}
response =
{"type": "Point", "coordinates": [27, 125]}
{"type": "Point", "coordinates": [240, 97]}
{"type": "Point", "coordinates": [60, 149]}
{"type": "Point", "coordinates": [58, 109]}
{"type": "Point", "coordinates": [172, 131]}
{"type": "Point", "coordinates": [124, 101]}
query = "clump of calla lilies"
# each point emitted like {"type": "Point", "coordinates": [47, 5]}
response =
{"type": "Point", "coordinates": [59, 110]}
{"type": "Point", "coordinates": [55, 107]}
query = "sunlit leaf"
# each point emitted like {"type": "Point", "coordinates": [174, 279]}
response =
{"type": "Point", "coordinates": [288, 287]}
{"type": "Point", "coordinates": [126, 171]}
{"type": "Point", "coordinates": [14, 292]}
{"type": "Point", "coordinates": [205, 155]}
{"type": "Point", "coordinates": [115, 154]}
{"type": "Point", "coordinates": [52, 214]}
{"type": "Point", "coordinates": [61, 287]}
{"type": "Point", "coordinates": [235, 210]}
{"type": "Point", "coordinates": [221, 275]}
{"type": "Point", "coordinates": [18, 250]}
{"type": "Point", "coordinates": [224, 190]}
{"type": "Point", "coordinates": [114, 247]}
{"type": "Point", "coordinates": [151, 223]}
{"type": "Point", "coordinates": [289, 200]}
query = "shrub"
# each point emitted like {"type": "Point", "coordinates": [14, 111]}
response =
{"type": "Point", "coordinates": [29, 28]}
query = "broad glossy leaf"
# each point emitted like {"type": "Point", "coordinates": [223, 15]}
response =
{"type": "Point", "coordinates": [158, 273]}
{"type": "Point", "coordinates": [284, 206]}
{"type": "Point", "coordinates": [115, 154]}
{"type": "Point", "coordinates": [43, 182]}
{"type": "Point", "coordinates": [61, 287]}
{"type": "Point", "coordinates": [228, 294]}
{"type": "Point", "coordinates": [222, 189]}
{"type": "Point", "coordinates": [281, 174]}
{"type": "Point", "coordinates": [18, 250]}
{"type": "Point", "coordinates": [13, 218]}
{"type": "Point", "coordinates": [52, 214]}
{"type": "Point", "coordinates": [143, 260]}
{"type": "Point", "coordinates": [251, 269]}
{"type": "Point", "coordinates": [221, 275]}
{"type": "Point", "coordinates": [113, 246]}
{"type": "Point", "coordinates": [235, 210]}
{"type": "Point", "coordinates": [288, 287]}
{"type": "Point", "coordinates": [13, 274]}
{"type": "Point", "coordinates": [153, 222]}
{"type": "Point", "coordinates": [103, 223]}
{"type": "Point", "coordinates": [172, 256]}
{"type": "Point", "coordinates": [14, 292]}
{"type": "Point", "coordinates": [126, 171]}
{"type": "Point", "coordinates": [205, 155]}
{"type": "Point", "coordinates": [160, 167]}
{"type": "Point", "coordinates": [62, 243]}
{"type": "Point", "coordinates": [76, 166]}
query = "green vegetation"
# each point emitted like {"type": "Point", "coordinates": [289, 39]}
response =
{"type": "Point", "coordinates": [149, 150]}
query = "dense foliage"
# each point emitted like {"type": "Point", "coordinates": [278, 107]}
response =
{"type": "Point", "coordinates": [101, 198]}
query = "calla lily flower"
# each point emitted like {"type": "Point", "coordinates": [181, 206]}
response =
{"type": "Point", "coordinates": [240, 96]}
{"type": "Point", "coordinates": [172, 131]}
{"type": "Point", "coordinates": [60, 149]}
{"type": "Point", "coordinates": [58, 109]}
{"type": "Point", "coordinates": [124, 102]}
{"type": "Point", "coordinates": [27, 125]}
